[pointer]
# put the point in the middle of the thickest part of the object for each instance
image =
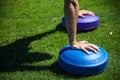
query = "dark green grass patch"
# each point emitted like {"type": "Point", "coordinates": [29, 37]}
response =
{"type": "Point", "coordinates": [31, 36]}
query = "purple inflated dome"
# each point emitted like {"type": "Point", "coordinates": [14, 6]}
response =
{"type": "Point", "coordinates": [85, 24]}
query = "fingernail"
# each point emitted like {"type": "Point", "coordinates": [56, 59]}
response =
{"type": "Point", "coordinates": [97, 48]}
{"type": "Point", "coordinates": [96, 52]}
{"type": "Point", "coordinates": [88, 53]}
{"type": "Point", "coordinates": [82, 16]}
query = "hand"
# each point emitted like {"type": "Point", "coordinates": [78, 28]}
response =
{"type": "Point", "coordinates": [84, 45]}
{"type": "Point", "coordinates": [83, 12]}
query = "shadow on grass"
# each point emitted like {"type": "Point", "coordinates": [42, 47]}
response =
{"type": "Point", "coordinates": [58, 71]}
{"type": "Point", "coordinates": [14, 55]}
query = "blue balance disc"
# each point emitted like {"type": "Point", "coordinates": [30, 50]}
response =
{"type": "Point", "coordinates": [78, 62]}
{"type": "Point", "coordinates": [85, 24]}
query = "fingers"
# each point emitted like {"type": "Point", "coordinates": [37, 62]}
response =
{"type": "Point", "coordinates": [90, 13]}
{"type": "Point", "coordinates": [85, 46]}
{"type": "Point", "coordinates": [83, 12]}
{"type": "Point", "coordinates": [82, 48]}
{"type": "Point", "coordinates": [90, 48]}
{"type": "Point", "coordinates": [84, 42]}
{"type": "Point", "coordinates": [81, 15]}
{"type": "Point", "coordinates": [85, 50]}
{"type": "Point", "coordinates": [94, 47]}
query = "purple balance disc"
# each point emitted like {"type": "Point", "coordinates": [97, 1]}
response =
{"type": "Point", "coordinates": [85, 24]}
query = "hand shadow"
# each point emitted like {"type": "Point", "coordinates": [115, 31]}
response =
{"type": "Point", "coordinates": [14, 55]}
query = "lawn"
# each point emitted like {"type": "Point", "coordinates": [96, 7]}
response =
{"type": "Point", "coordinates": [31, 36]}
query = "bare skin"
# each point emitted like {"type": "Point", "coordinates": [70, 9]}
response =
{"type": "Point", "coordinates": [71, 12]}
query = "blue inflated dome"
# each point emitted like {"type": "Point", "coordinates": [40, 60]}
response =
{"type": "Point", "coordinates": [78, 62]}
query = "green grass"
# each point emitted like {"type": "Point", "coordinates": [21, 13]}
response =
{"type": "Point", "coordinates": [31, 37]}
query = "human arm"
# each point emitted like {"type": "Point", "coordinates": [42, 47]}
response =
{"type": "Point", "coordinates": [71, 11]}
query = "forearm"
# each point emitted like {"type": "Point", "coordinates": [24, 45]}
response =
{"type": "Point", "coordinates": [71, 10]}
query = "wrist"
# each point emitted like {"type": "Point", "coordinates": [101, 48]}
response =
{"type": "Point", "coordinates": [72, 43]}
